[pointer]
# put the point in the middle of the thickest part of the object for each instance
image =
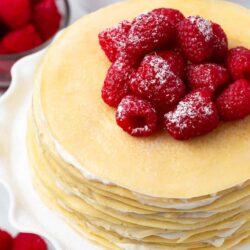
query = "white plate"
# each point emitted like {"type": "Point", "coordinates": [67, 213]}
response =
{"type": "Point", "coordinates": [27, 212]}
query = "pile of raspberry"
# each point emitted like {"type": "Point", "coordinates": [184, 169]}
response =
{"type": "Point", "coordinates": [22, 241]}
{"type": "Point", "coordinates": [174, 73]}
{"type": "Point", "coordinates": [26, 24]}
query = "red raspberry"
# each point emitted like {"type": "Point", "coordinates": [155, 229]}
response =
{"type": "Point", "coordinates": [207, 75]}
{"type": "Point", "coordinates": [15, 13]}
{"type": "Point", "coordinates": [195, 115]}
{"type": "Point", "coordinates": [136, 116]}
{"type": "Point", "coordinates": [155, 82]}
{"type": "Point", "coordinates": [238, 63]}
{"type": "Point", "coordinates": [116, 83]}
{"type": "Point", "coordinates": [28, 241]}
{"type": "Point", "coordinates": [175, 61]}
{"type": "Point", "coordinates": [3, 51]}
{"type": "Point", "coordinates": [3, 29]}
{"type": "Point", "coordinates": [22, 39]}
{"type": "Point", "coordinates": [234, 102]}
{"type": "Point", "coordinates": [6, 240]}
{"type": "Point", "coordinates": [3, 32]}
{"type": "Point", "coordinates": [195, 36]}
{"type": "Point", "coordinates": [46, 18]}
{"type": "Point", "coordinates": [220, 43]}
{"type": "Point", "coordinates": [174, 16]}
{"type": "Point", "coordinates": [113, 40]}
{"type": "Point", "coordinates": [149, 32]}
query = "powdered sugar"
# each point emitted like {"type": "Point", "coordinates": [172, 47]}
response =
{"type": "Point", "coordinates": [140, 130]}
{"type": "Point", "coordinates": [160, 68]}
{"type": "Point", "coordinates": [116, 83]}
{"type": "Point", "coordinates": [160, 72]}
{"type": "Point", "coordinates": [191, 108]}
{"type": "Point", "coordinates": [207, 75]}
{"type": "Point", "coordinates": [113, 40]}
{"type": "Point", "coordinates": [156, 82]}
{"type": "Point", "coordinates": [120, 112]}
{"type": "Point", "coordinates": [146, 23]}
{"type": "Point", "coordinates": [121, 65]}
{"type": "Point", "coordinates": [149, 32]}
{"type": "Point", "coordinates": [204, 26]}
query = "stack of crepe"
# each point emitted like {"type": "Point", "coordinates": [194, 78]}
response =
{"type": "Point", "coordinates": [124, 192]}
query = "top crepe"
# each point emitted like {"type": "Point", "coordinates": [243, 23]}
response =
{"type": "Point", "coordinates": [73, 72]}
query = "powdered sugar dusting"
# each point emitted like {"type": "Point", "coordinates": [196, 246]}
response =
{"type": "Point", "coordinates": [160, 68]}
{"type": "Point", "coordinates": [160, 71]}
{"type": "Point", "coordinates": [119, 65]}
{"type": "Point", "coordinates": [119, 34]}
{"type": "Point", "coordinates": [135, 35]}
{"type": "Point", "coordinates": [191, 108]}
{"type": "Point", "coordinates": [140, 130]}
{"type": "Point", "coordinates": [120, 112]}
{"type": "Point", "coordinates": [114, 39]}
{"type": "Point", "coordinates": [207, 75]}
{"type": "Point", "coordinates": [204, 26]}
{"type": "Point", "coordinates": [156, 82]}
{"type": "Point", "coordinates": [149, 31]}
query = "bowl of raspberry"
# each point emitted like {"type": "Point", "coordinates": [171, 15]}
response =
{"type": "Point", "coordinates": [27, 26]}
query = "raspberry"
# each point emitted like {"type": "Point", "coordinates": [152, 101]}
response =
{"type": "Point", "coordinates": [22, 39]}
{"type": "Point", "coordinates": [3, 32]}
{"type": "Point", "coordinates": [220, 43]}
{"type": "Point", "coordinates": [207, 75]}
{"type": "Point", "coordinates": [149, 32]}
{"type": "Point", "coordinates": [174, 16]}
{"type": "Point", "coordinates": [46, 18]}
{"type": "Point", "coordinates": [113, 40]}
{"type": "Point", "coordinates": [234, 102]}
{"type": "Point", "coordinates": [28, 241]}
{"type": "Point", "coordinates": [3, 29]}
{"type": "Point", "coordinates": [15, 14]}
{"type": "Point", "coordinates": [238, 63]}
{"type": "Point", "coordinates": [195, 36]}
{"type": "Point", "coordinates": [136, 116]}
{"type": "Point", "coordinates": [116, 83]}
{"type": "Point", "coordinates": [175, 61]}
{"type": "Point", "coordinates": [195, 115]}
{"type": "Point", "coordinates": [3, 51]}
{"type": "Point", "coordinates": [155, 82]}
{"type": "Point", "coordinates": [6, 240]}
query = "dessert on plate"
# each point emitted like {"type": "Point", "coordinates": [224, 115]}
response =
{"type": "Point", "coordinates": [139, 128]}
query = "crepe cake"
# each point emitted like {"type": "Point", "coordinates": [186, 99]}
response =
{"type": "Point", "coordinates": [131, 193]}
